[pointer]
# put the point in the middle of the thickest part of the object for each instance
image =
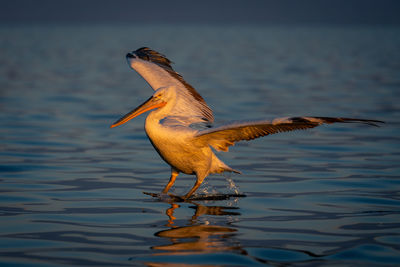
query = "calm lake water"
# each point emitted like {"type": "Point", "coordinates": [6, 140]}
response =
{"type": "Point", "coordinates": [71, 187]}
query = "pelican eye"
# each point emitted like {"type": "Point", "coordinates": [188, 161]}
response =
{"type": "Point", "coordinates": [158, 96]}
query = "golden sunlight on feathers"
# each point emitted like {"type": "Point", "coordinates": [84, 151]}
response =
{"type": "Point", "coordinates": [180, 125]}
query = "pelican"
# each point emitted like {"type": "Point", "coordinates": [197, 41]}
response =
{"type": "Point", "coordinates": [180, 125]}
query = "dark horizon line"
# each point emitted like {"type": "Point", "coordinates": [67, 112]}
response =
{"type": "Point", "coordinates": [339, 12]}
{"type": "Point", "coordinates": [194, 23]}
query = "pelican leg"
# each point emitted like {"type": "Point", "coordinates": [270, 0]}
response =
{"type": "Point", "coordinates": [194, 188]}
{"type": "Point", "coordinates": [174, 174]}
{"type": "Point", "coordinates": [199, 180]}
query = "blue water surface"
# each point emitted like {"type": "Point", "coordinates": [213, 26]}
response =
{"type": "Point", "coordinates": [71, 187]}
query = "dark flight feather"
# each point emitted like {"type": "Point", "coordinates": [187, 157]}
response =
{"type": "Point", "coordinates": [224, 136]}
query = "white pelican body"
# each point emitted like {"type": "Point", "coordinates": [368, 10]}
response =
{"type": "Point", "coordinates": [180, 126]}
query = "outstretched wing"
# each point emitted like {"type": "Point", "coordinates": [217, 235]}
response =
{"type": "Point", "coordinates": [156, 69]}
{"type": "Point", "coordinates": [224, 136]}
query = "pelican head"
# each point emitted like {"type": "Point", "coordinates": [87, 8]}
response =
{"type": "Point", "coordinates": [159, 99]}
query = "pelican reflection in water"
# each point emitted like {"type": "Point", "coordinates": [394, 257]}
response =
{"type": "Point", "coordinates": [196, 236]}
{"type": "Point", "coordinates": [181, 129]}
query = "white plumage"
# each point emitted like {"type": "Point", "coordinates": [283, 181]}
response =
{"type": "Point", "coordinates": [180, 126]}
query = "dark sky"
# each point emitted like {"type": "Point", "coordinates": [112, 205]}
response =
{"type": "Point", "coordinates": [205, 11]}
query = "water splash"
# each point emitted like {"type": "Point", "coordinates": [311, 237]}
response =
{"type": "Point", "coordinates": [207, 189]}
{"type": "Point", "coordinates": [231, 184]}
